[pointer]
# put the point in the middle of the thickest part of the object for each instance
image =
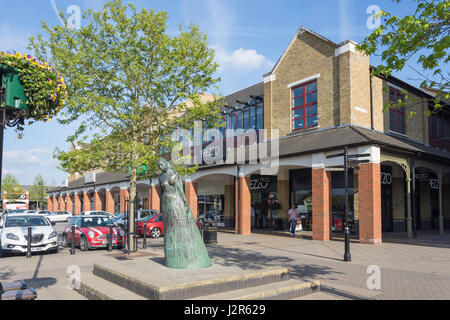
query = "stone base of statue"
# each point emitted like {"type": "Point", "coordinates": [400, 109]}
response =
{"type": "Point", "coordinates": [183, 245]}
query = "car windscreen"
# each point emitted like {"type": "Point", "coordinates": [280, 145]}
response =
{"type": "Point", "coordinates": [148, 217]}
{"type": "Point", "coordinates": [22, 221]}
{"type": "Point", "coordinates": [95, 222]}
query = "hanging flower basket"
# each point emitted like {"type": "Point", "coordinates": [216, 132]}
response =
{"type": "Point", "coordinates": [44, 88]}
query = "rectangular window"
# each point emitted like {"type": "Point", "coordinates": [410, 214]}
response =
{"type": "Point", "coordinates": [304, 106]}
{"type": "Point", "coordinates": [396, 115]}
{"type": "Point", "coordinates": [259, 116]}
{"type": "Point", "coordinates": [246, 119]}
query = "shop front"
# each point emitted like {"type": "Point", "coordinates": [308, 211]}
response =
{"type": "Point", "coordinates": [265, 206]}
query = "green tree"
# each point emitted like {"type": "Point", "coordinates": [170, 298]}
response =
{"type": "Point", "coordinates": [422, 38]}
{"type": "Point", "coordinates": [11, 185]}
{"type": "Point", "coordinates": [128, 82]}
{"type": "Point", "coordinates": [38, 192]}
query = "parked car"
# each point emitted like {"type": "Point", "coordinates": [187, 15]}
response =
{"type": "Point", "coordinates": [91, 232]}
{"type": "Point", "coordinates": [31, 211]}
{"type": "Point", "coordinates": [18, 211]}
{"type": "Point", "coordinates": [121, 219]}
{"type": "Point", "coordinates": [97, 213]}
{"type": "Point", "coordinates": [4, 211]}
{"type": "Point", "coordinates": [154, 224]}
{"type": "Point", "coordinates": [59, 216]}
{"type": "Point", "coordinates": [14, 234]}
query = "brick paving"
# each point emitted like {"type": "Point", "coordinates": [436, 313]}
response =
{"type": "Point", "coordinates": [410, 269]}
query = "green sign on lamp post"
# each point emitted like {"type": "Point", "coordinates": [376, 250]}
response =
{"type": "Point", "coordinates": [14, 94]}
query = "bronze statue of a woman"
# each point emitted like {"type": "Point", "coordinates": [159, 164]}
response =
{"type": "Point", "coordinates": [183, 245]}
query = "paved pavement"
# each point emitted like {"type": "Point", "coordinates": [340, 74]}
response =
{"type": "Point", "coordinates": [412, 269]}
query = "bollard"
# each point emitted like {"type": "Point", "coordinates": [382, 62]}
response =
{"type": "Point", "coordinates": [72, 243]}
{"type": "Point", "coordinates": [110, 237]}
{"type": "Point", "coordinates": [29, 243]}
{"type": "Point", "coordinates": [145, 237]}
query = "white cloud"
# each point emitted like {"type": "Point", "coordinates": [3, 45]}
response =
{"type": "Point", "coordinates": [21, 157]}
{"type": "Point", "coordinates": [243, 60]}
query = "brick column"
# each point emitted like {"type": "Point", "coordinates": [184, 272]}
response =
{"type": "Point", "coordinates": [49, 204]}
{"type": "Point", "coordinates": [97, 201]}
{"type": "Point", "coordinates": [109, 206]}
{"type": "Point", "coordinates": [155, 197]}
{"type": "Point", "coordinates": [243, 216]}
{"type": "Point", "coordinates": [69, 206]}
{"type": "Point", "coordinates": [191, 190]}
{"type": "Point", "coordinates": [86, 202]}
{"type": "Point", "coordinates": [62, 205]}
{"type": "Point", "coordinates": [124, 195]}
{"type": "Point", "coordinates": [369, 187]}
{"type": "Point", "coordinates": [321, 204]}
{"type": "Point", "coordinates": [229, 206]}
{"type": "Point", "coordinates": [27, 198]}
{"type": "Point", "coordinates": [77, 204]}
{"type": "Point", "coordinates": [55, 204]}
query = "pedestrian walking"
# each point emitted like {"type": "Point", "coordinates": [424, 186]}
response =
{"type": "Point", "coordinates": [293, 217]}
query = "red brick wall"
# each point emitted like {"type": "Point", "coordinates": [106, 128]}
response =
{"type": "Point", "coordinates": [69, 206]}
{"type": "Point", "coordinates": [77, 204]}
{"type": "Point", "coordinates": [86, 202]}
{"type": "Point", "coordinates": [155, 198]}
{"type": "Point", "coordinates": [369, 187]}
{"type": "Point", "coordinates": [49, 204]}
{"type": "Point", "coordinates": [321, 204]}
{"type": "Point", "coordinates": [191, 190]}
{"type": "Point", "coordinates": [109, 206]}
{"type": "Point", "coordinates": [243, 218]}
{"type": "Point", "coordinates": [124, 195]}
{"type": "Point", "coordinates": [97, 201]}
{"type": "Point", "coordinates": [62, 205]}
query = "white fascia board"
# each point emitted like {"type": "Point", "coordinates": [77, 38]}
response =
{"type": "Point", "coordinates": [269, 78]}
{"type": "Point", "coordinates": [296, 83]}
{"type": "Point", "coordinates": [349, 46]}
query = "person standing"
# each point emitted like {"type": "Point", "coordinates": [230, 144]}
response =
{"type": "Point", "coordinates": [293, 217]}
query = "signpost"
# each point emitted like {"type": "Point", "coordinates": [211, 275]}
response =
{"type": "Point", "coordinates": [350, 161]}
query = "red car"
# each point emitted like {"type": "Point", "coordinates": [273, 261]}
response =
{"type": "Point", "coordinates": [155, 228]}
{"type": "Point", "coordinates": [91, 232]}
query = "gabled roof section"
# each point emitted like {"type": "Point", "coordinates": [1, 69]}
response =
{"type": "Point", "coordinates": [300, 31]}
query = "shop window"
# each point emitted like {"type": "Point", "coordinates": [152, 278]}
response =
{"type": "Point", "coordinates": [396, 115]}
{"type": "Point", "coordinates": [304, 106]}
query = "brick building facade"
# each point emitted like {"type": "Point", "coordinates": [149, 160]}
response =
{"type": "Point", "coordinates": [319, 97]}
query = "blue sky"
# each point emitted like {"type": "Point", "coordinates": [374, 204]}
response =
{"type": "Point", "coordinates": [248, 35]}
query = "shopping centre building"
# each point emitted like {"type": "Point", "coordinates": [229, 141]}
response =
{"type": "Point", "coordinates": [319, 98]}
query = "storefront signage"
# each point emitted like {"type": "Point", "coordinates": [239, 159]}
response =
{"type": "Point", "coordinates": [386, 178]}
{"type": "Point", "coordinates": [421, 176]}
{"type": "Point", "coordinates": [434, 183]}
{"type": "Point", "coordinates": [302, 209]}
{"type": "Point", "coordinates": [89, 177]}
{"type": "Point", "coordinates": [260, 183]}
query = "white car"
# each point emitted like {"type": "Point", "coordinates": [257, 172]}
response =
{"type": "Point", "coordinates": [97, 213]}
{"type": "Point", "coordinates": [14, 234]}
{"type": "Point", "coordinates": [59, 216]}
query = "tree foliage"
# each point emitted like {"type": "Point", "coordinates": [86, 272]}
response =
{"type": "Point", "coordinates": [38, 190]}
{"type": "Point", "coordinates": [12, 187]}
{"type": "Point", "coordinates": [127, 80]}
{"type": "Point", "coordinates": [423, 38]}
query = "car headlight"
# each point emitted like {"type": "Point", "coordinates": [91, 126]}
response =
{"type": "Point", "coordinates": [52, 235]}
{"type": "Point", "coordinates": [11, 236]}
{"type": "Point", "coordinates": [91, 234]}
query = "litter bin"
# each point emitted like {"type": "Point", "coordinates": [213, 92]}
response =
{"type": "Point", "coordinates": [208, 229]}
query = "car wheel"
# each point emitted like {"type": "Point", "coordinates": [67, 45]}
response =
{"type": "Point", "coordinates": [83, 244]}
{"type": "Point", "coordinates": [155, 233]}
{"type": "Point", "coordinates": [65, 243]}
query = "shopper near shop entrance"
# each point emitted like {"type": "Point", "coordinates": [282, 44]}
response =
{"type": "Point", "coordinates": [293, 217]}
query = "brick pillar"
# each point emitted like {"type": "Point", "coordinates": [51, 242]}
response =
{"type": "Point", "coordinates": [369, 187]}
{"type": "Point", "coordinates": [229, 206]}
{"type": "Point", "coordinates": [109, 202]}
{"type": "Point", "coordinates": [321, 204]}
{"type": "Point", "coordinates": [76, 204]}
{"type": "Point", "coordinates": [86, 202]}
{"type": "Point", "coordinates": [62, 204]}
{"type": "Point", "coordinates": [191, 190]}
{"type": "Point", "coordinates": [27, 198]}
{"type": "Point", "coordinates": [97, 201]}
{"type": "Point", "coordinates": [155, 197]}
{"type": "Point", "coordinates": [69, 206]}
{"type": "Point", "coordinates": [124, 195]}
{"type": "Point", "coordinates": [55, 204]}
{"type": "Point", "coordinates": [49, 204]}
{"type": "Point", "coordinates": [243, 216]}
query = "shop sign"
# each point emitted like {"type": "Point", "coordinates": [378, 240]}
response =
{"type": "Point", "coordinates": [302, 209]}
{"type": "Point", "coordinates": [421, 176]}
{"type": "Point", "coordinates": [260, 183]}
{"type": "Point", "coordinates": [89, 177]}
{"type": "Point", "coordinates": [434, 183]}
{"type": "Point", "coordinates": [386, 178]}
